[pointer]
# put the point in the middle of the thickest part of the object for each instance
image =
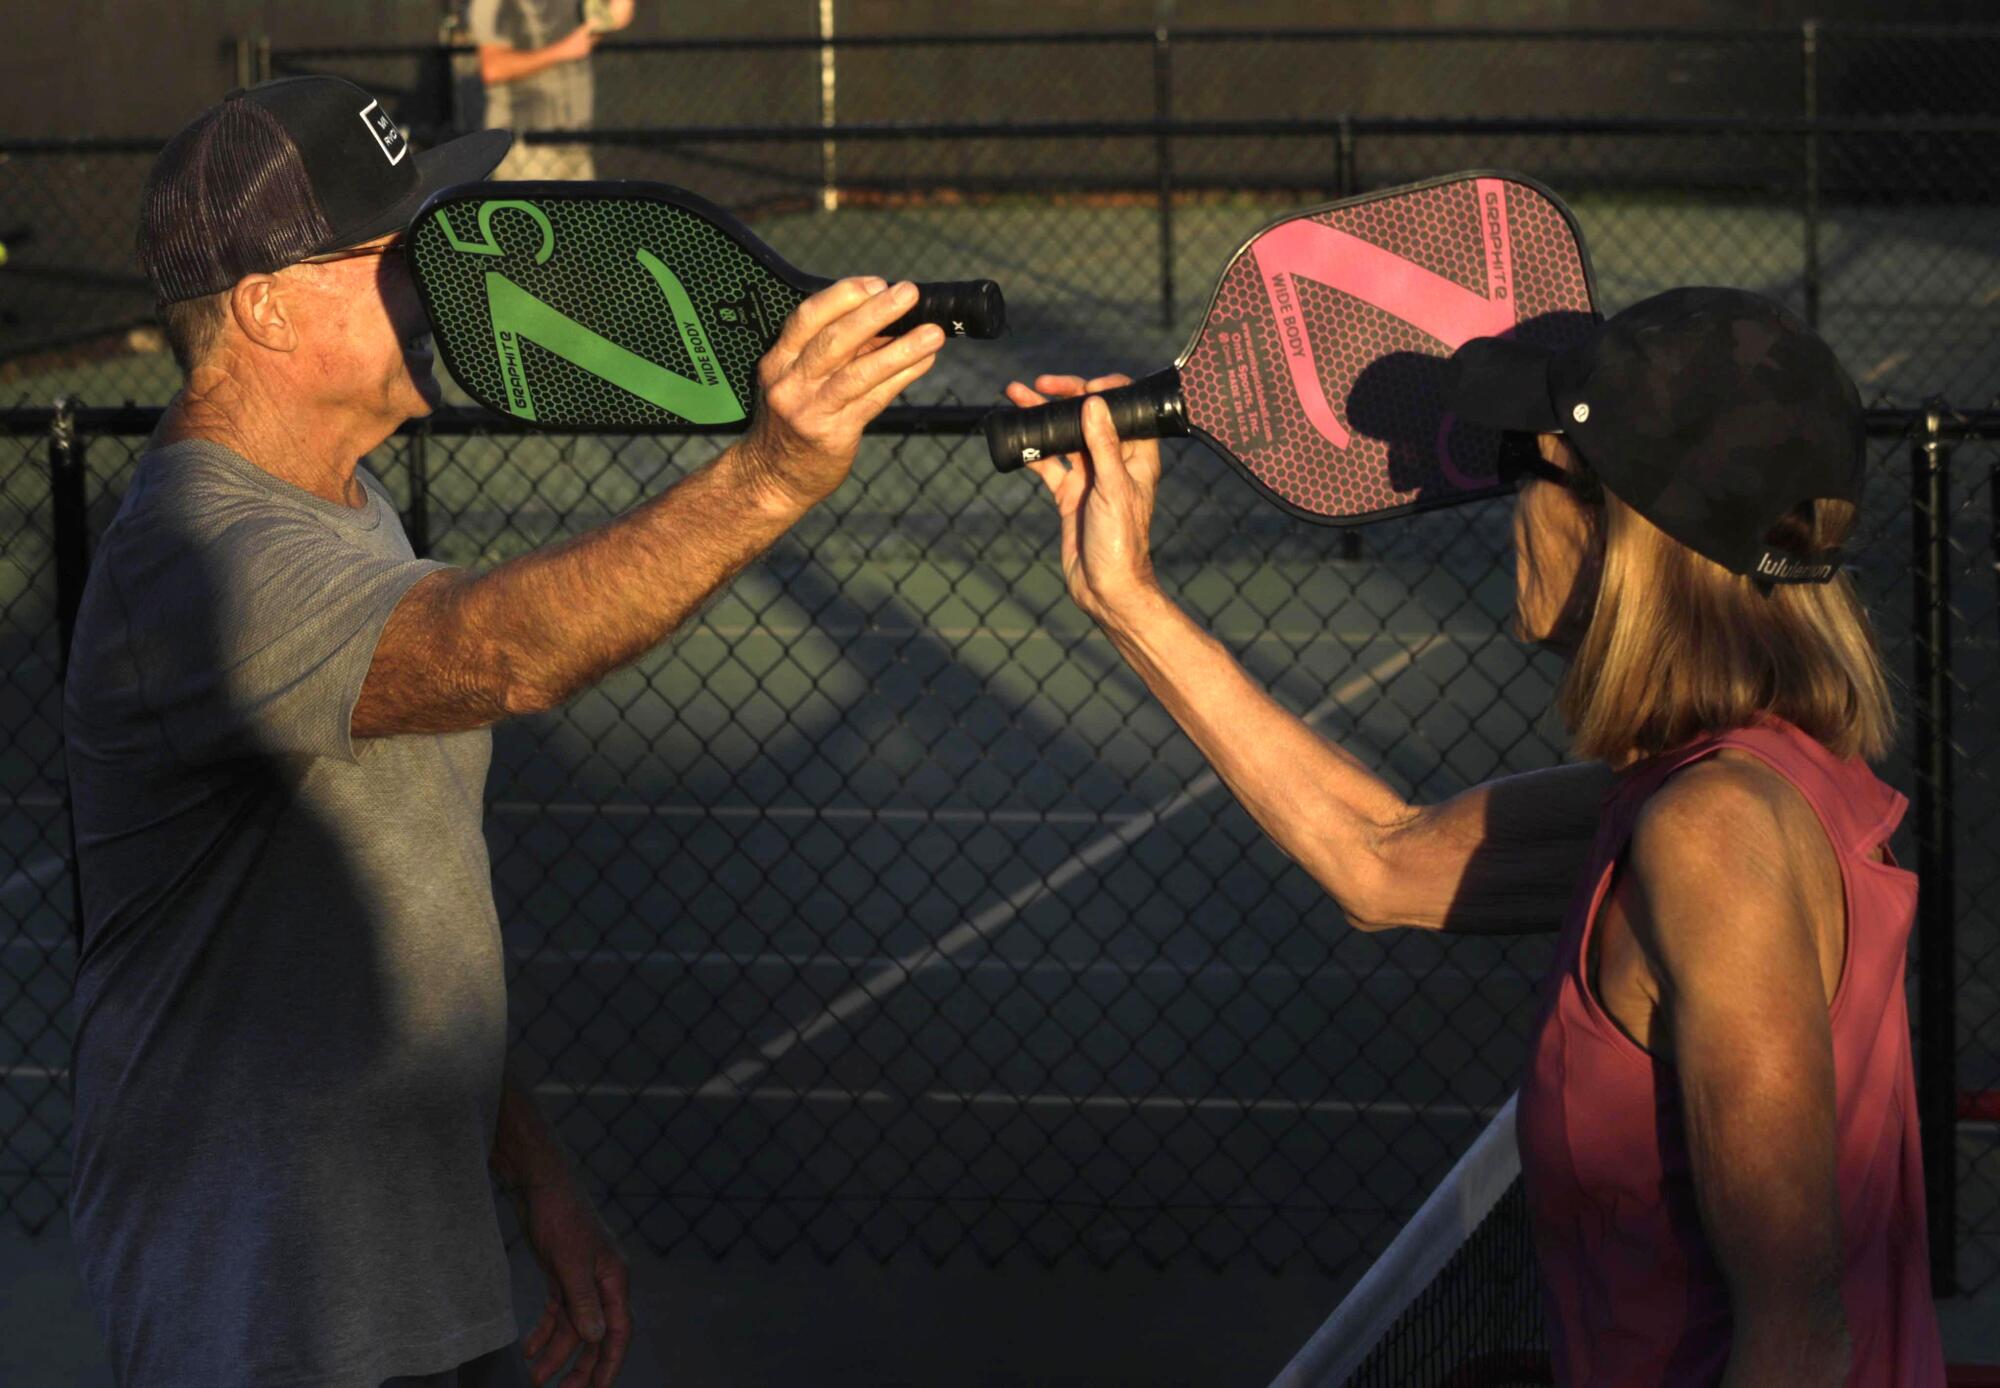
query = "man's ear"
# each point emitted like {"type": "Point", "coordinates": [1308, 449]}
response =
{"type": "Point", "coordinates": [264, 312]}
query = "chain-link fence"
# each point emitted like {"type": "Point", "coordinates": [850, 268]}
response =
{"type": "Point", "coordinates": [881, 910]}
{"type": "Point", "coordinates": [1106, 175]}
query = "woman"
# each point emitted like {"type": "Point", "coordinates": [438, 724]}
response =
{"type": "Point", "coordinates": [1718, 1124]}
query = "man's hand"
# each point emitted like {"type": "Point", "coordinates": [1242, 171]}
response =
{"type": "Point", "coordinates": [1105, 498]}
{"type": "Point", "coordinates": [824, 381]}
{"type": "Point", "coordinates": [573, 47]}
{"type": "Point", "coordinates": [588, 1313]}
{"type": "Point", "coordinates": [501, 63]}
{"type": "Point", "coordinates": [462, 651]}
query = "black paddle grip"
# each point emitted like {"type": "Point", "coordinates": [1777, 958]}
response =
{"type": "Point", "coordinates": [1149, 408]}
{"type": "Point", "coordinates": [963, 308]}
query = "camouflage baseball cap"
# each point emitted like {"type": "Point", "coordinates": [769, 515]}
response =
{"type": "Point", "coordinates": [1711, 412]}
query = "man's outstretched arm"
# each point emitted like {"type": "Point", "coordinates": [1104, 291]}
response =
{"type": "Point", "coordinates": [499, 62]}
{"type": "Point", "coordinates": [462, 650]}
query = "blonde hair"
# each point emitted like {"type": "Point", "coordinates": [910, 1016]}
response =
{"type": "Point", "coordinates": [1678, 646]}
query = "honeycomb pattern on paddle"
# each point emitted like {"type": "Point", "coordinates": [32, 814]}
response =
{"type": "Point", "coordinates": [593, 277]}
{"type": "Point", "coordinates": [1383, 378]}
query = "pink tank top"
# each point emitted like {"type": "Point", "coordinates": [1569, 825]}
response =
{"type": "Point", "coordinates": [1632, 1291]}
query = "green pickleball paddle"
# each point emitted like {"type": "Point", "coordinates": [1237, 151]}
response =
{"type": "Point", "coordinates": [620, 305]}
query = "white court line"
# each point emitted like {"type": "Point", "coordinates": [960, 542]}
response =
{"type": "Point", "coordinates": [987, 964]}
{"type": "Point", "coordinates": [855, 963]}
{"type": "Point", "coordinates": [900, 971]}
{"type": "Point", "coordinates": [36, 944]}
{"type": "Point", "coordinates": [31, 801]}
{"type": "Point", "coordinates": [631, 809]}
{"type": "Point", "coordinates": [718, 1088]}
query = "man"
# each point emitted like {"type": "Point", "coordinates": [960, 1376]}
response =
{"type": "Point", "coordinates": [534, 64]}
{"type": "Point", "coordinates": [290, 995]}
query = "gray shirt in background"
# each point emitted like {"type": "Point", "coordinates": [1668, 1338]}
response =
{"type": "Point", "coordinates": [291, 1003]}
{"type": "Point", "coordinates": [557, 98]}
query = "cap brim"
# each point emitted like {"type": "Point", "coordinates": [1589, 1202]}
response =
{"type": "Point", "coordinates": [467, 159]}
{"type": "Point", "coordinates": [1503, 383]}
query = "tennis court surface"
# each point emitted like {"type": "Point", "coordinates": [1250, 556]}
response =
{"type": "Point", "coordinates": [881, 917]}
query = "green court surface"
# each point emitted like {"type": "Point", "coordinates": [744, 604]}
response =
{"type": "Point", "coordinates": [884, 904]}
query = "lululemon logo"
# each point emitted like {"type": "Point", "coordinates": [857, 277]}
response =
{"type": "Point", "coordinates": [1580, 413]}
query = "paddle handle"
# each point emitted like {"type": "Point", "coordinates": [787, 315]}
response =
{"type": "Point", "coordinates": [963, 308]}
{"type": "Point", "coordinates": [1150, 408]}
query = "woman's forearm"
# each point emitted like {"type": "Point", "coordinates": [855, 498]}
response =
{"type": "Point", "coordinates": [1319, 803]}
{"type": "Point", "coordinates": [1500, 857]}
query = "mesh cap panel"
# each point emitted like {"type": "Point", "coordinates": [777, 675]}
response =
{"type": "Point", "coordinates": [227, 197]}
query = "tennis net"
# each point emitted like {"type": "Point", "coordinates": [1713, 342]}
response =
{"type": "Point", "coordinates": [1455, 1300]}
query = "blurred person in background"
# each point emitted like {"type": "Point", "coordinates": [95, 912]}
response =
{"type": "Point", "coordinates": [291, 1076]}
{"type": "Point", "coordinates": [535, 71]}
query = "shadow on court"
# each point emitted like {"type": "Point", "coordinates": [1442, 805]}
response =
{"type": "Point", "coordinates": [745, 1322]}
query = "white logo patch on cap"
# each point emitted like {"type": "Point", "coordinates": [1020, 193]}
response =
{"type": "Point", "coordinates": [394, 146]}
{"type": "Point", "coordinates": [1580, 413]}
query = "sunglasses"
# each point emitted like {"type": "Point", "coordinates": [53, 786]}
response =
{"type": "Point", "coordinates": [389, 247]}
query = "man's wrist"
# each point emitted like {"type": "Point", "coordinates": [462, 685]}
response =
{"type": "Point", "coordinates": [748, 467]}
{"type": "Point", "coordinates": [527, 1154]}
{"type": "Point", "coordinates": [531, 1169]}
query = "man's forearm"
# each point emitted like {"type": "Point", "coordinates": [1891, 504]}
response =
{"type": "Point", "coordinates": [500, 64]}
{"type": "Point", "coordinates": [463, 650]}
{"type": "Point", "coordinates": [527, 1154]}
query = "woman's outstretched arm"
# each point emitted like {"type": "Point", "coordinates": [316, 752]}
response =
{"type": "Point", "coordinates": [1499, 857]}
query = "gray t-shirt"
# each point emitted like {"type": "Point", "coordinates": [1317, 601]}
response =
{"type": "Point", "coordinates": [556, 98]}
{"type": "Point", "coordinates": [291, 1003]}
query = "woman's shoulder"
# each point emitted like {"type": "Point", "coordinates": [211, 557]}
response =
{"type": "Point", "coordinates": [1730, 823]}
{"type": "Point", "coordinates": [1729, 802]}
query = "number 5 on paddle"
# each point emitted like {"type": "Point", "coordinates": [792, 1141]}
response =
{"type": "Point", "coordinates": [612, 305]}
{"type": "Point", "coordinates": [1319, 370]}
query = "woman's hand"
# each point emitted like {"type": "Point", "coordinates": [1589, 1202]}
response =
{"type": "Point", "coordinates": [1105, 497]}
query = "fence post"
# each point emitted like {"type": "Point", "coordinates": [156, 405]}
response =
{"type": "Point", "coordinates": [829, 173]}
{"type": "Point", "coordinates": [253, 60]}
{"type": "Point", "coordinates": [1937, 951]}
{"type": "Point", "coordinates": [1163, 112]}
{"type": "Point", "coordinates": [1809, 56]}
{"type": "Point", "coordinates": [69, 524]}
{"type": "Point", "coordinates": [417, 459]}
{"type": "Point", "coordinates": [69, 520]}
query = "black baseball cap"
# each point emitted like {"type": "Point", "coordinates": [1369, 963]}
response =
{"type": "Point", "coordinates": [1711, 412]}
{"type": "Point", "coordinates": [284, 170]}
